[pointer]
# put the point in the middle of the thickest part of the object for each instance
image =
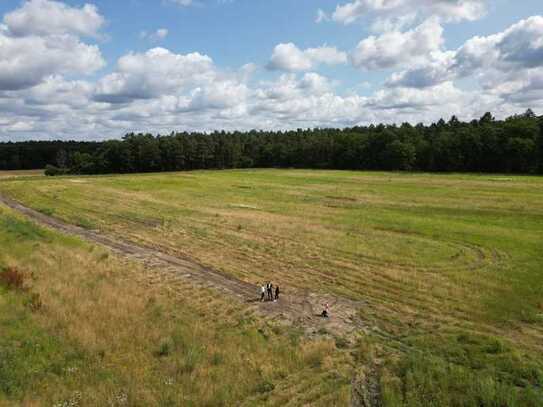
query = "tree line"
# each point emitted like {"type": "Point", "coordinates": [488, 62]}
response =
{"type": "Point", "coordinates": [33, 155]}
{"type": "Point", "coordinates": [512, 145]}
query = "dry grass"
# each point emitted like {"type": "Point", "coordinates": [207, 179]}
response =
{"type": "Point", "coordinates": [20, 173]}
{"type": "Point", "coordinates": [152, 339]}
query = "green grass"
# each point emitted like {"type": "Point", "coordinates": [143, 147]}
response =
{"type": "Point", "coordinates": [28, 355]}
{"type": "Point", "coordinates": [436, 258]}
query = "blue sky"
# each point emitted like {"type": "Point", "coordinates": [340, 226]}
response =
{"type": "Point", "coordinates": [91, 71]}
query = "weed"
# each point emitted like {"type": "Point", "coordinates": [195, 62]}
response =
{"type": "Point", "coordinates": [165, 347]}
{"type": "Point", "coordinates": [34, 302]}
{"type": "Point", "coordinates": [84, 223]}
{"type": "Point", "coordinates": [190, 360]}
{"type": "Point", "coordinates": [217, 359]}
{"type": "Point", "coordinates": [264, 386]}
{"type": "Point", "coordinates": [46, 211]}
{"type": "Point", "coordinates": [342, 343]}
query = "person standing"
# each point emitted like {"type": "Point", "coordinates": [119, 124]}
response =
{"type": "Point", "coordinates": [326, 311]}
{"type": "Point", "coordinates": [277, 292]}
{"type": "Point", "coordinates": [270, 288]}
{"type": "Point", "coordinates": [262, 292]}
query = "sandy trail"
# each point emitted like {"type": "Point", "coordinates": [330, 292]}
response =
{"type": "Point", "coordinates": [298, 307]}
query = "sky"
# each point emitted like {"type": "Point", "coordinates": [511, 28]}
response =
{"type": "Point", "coordinates": [98, 70]}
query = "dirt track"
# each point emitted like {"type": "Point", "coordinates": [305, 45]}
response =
{"type": "Point", "coordinates": [295, 306]}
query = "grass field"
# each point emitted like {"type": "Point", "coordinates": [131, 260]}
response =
{"type": "Point", "coordinates": [450, 268]}
{"type": "Point", "coordinates": [87, 329]}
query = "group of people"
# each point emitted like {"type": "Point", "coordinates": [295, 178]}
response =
{"type": "Point", "coordinates": [268, 290]}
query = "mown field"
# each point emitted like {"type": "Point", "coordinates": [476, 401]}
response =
{"type": "Point", "coordinates": [450, 268]}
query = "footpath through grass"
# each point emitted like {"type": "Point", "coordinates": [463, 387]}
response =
{"type": "Point", "coordinates": [450, 266]}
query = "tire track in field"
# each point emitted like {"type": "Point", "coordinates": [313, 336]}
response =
{"type": "Point", "coordinates": [300, 307]}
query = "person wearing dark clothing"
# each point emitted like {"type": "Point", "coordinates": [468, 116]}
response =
{"type": "Point", "coordinates": [277, 291]}
{"type": "Point", "coordinates": [325, 311]}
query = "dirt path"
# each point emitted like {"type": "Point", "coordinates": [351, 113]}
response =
{"type": "Point", "coordinates": [295, 306]}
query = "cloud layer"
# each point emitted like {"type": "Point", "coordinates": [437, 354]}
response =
{"type": "Point", "coordinates": [53, 83]}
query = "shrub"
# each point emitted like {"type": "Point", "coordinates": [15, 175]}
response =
{"type": "Point", "coordinates": [165, 348]}
{"type": "Point", "coordinates": [12, 279]}
{"type": "Point", "coordinates": [264, 387]}
{"type": "Point", "coordinates": [52, 171]}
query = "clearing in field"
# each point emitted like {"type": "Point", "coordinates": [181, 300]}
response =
{"type": "Point", "coordinates": [438, 277]}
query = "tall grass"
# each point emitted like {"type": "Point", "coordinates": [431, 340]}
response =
{"type": "Point", "coordinates": [110, 332]}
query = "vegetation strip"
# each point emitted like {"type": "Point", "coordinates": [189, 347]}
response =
{"type": "Point", "coordinates": [513, 145]}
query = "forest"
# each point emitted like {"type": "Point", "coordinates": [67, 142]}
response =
{"type": "Point", "coordinates": [512, 145]}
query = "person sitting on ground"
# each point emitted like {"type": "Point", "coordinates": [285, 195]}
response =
{"type": "Point", "coordinates": [326, 311]}
{"type": "Point", "coordinates": [277, 292]}
{"type": "Point", "coordinates": [262, 292]}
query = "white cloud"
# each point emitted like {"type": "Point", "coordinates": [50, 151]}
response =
{"type": "Point", "coordinates": [154, 73]}
{"type": "Point", "coordinates": [183, 3]}
{"type": "Point", "coordinates": [412, 98]}
{"type": "Point", "coordinates": [316, 84]}
{"type": "Point", "coordinates": [350, 12]}
{"type": "Point", "coordinates": [47, 17]}
{"type": "Point", "coordinates": [41, 39]}
{"type": "Point", "coordinates": [187, 3]}
{"type": "Point", "coordinates": [521, 45]}
{"type": "Point", "coordinates": [518, 48]}
{"type": "Point", "coordinates": [435, 70]}
{"type": "Point", "coordinates": [321, 16]}
{"type": "Point", "coordinates": [219, 95]}
{"type": "Point", "coordinates": [290, 86]}
{"type": "Point", "coordinates": [446, 10]}
{"type": "Point", "coordinates": [288, 57]}
{"type": "Point", "coordinates": [396, 48]}
{"type": "Point", "coordinates": [161, 33]}
{"type": "Point", "coordinates": [158, 35]}
{"type": "Point", "coordinates": [55, 90]}
{"type": "Point", "coordinates": [525, 90]}
{"type": "Point", "coordinates": [27, 61]}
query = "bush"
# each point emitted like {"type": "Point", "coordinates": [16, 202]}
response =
{"type": "Point", "coordinates": [52, 171]}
